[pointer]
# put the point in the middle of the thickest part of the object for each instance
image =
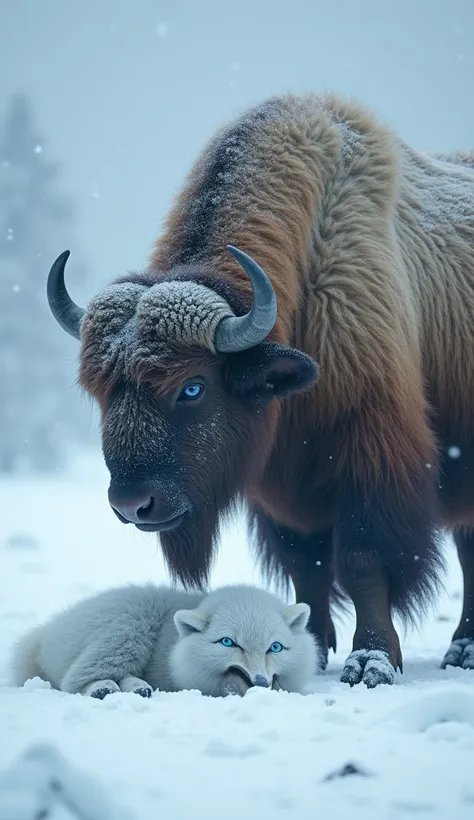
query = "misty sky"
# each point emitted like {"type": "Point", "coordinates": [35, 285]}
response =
{"type": "Point", "coordinates": [126, 93]}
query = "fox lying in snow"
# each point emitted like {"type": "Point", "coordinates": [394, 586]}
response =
{"type": "Point", "coordinates": [138, 638]}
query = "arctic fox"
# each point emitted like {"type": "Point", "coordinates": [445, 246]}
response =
{"type": "Point", "coordinates": [138, 638]}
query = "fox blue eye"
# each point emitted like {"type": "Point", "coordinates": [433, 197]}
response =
{"type": "Point", "coordinates": [276, 646]}
{"type": "Point", "coordinates": [227, 642]}
{"type": "Point", "coordinates": [192, 391]}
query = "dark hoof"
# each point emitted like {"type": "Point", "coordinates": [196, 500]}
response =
{"type": "Point", "coordinates": [460, 653]}
{"type": "Point", "coordinates": [371, 666]}
{"type": "Point", "coordinates": [101, 693]}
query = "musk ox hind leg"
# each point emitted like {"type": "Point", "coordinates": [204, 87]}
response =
{"type": "Point", "coordinates": [461, 651]}
{"type": "Point", "coordinates": [387, 559]}
{"type": "Point", "coordinates": [308, 561]}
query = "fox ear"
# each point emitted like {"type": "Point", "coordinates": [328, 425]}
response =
{"type": "Point", "coordinates": [187, 622]}
{"type": "Point", "coordinates": [297, 616]}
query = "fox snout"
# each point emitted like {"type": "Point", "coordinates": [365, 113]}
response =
{"type": "Point", "coordinates": [252, 678]}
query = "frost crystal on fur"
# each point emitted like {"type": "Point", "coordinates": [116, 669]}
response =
{"type": "Point", "coordinates": [130, 317]}
{"type": "Point", "coordinates": [183, 311]}
{"type": "Point", "coordinates": [445, 188]}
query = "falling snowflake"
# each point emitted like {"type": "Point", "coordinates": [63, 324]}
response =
{"type": "Point", "coordinates": [16, 288]}
{"type": "Point", "coordinates": [38, 149]}
{"type": "Point", "coordinates": [454, 452]}
{"type": "Point", "coordinates": [162, 29]}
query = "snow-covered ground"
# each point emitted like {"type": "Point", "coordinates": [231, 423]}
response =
{"type": "Point", "coordinates": [182, 755]}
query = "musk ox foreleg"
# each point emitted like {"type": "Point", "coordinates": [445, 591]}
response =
{"type": "Point", "coordinates": [386, 558]}
{"type": "Point", "coordinates": [308, 561]}
{"type": "Point", "coordinates": [461, 651]}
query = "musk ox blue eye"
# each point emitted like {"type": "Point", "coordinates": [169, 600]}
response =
{"type": "Point", "coordinates": [191, 392]}
{"type": "Point", "coordinates": [227, 642]}
{"type": "Point", "coordinates": [276, 646]}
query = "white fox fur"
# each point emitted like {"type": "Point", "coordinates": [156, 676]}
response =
{"type": "Point", "coordinates": [144, 637]}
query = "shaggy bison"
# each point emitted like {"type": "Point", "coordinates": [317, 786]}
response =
{"type": "Point", "coordinates": [349, 250]}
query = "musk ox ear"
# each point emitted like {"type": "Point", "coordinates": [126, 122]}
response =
{"type": "Point", "coordinates": [188, 622]}
{"type": "Point", "coordinates": [269, 370]}
{"type": "Point", "coordinates": [297, 616]}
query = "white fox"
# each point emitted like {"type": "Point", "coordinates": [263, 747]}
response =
{"type": "Point", "coordinates": [138, 638]}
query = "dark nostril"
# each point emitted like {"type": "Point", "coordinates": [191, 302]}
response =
{"type": "Point", "coordinates": [145, 510]}
{"type": "Point", "coordinates": [149, 508]}
{"type": "Point", "coordinates": [136, 511]}
{"type": "Point", "coordinates": [260, 680]}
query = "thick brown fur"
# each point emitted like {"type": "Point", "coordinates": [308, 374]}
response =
{"type": "Point", "coordinates": [369, 246]}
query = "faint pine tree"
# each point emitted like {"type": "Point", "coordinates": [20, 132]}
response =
{"type": "Point", "coordinates": [40, 411]}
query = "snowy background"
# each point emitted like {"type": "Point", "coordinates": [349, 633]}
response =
{"type": "Point", "coordinates": [103, 107]}
{"type": "Point", "coordinates": [183, 755]}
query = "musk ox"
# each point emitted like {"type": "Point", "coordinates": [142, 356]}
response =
{"type": "Point", "coordinates": [308, 238]}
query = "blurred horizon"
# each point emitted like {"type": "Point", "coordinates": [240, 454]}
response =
{"type": "Point", "coordinates": [126, 94]}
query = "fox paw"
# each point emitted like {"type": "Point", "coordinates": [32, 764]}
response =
{"type": "Point", "coordinates": [136, 685]}
{"type": "Point", "coordinates": [372, 666]}
{"type": "Point", "coordinates": [460, 653]}
{"type": "Point", "coordinates": [100, 689]}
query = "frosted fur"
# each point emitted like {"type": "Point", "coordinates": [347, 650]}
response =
{"type": "Point", "coordinates": [130, 632]}
{"type": "Point", "coordinates": [184, 311]}
{"type": "Point", "coordinates": [445, 189]}
{"type": "Point", "coordinates": [131, 318]}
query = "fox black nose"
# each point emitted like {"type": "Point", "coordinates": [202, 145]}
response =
{"type": "Point", "coordinates": [260, 680]}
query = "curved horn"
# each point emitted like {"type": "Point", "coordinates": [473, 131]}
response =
{"type": "Point", "coordinates": [64, 310]}
{"type": "Point", "coordinates": [236, 333]}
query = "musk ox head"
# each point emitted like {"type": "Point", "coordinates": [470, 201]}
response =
{"type": "Point", "coordinates": [188, 391]}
